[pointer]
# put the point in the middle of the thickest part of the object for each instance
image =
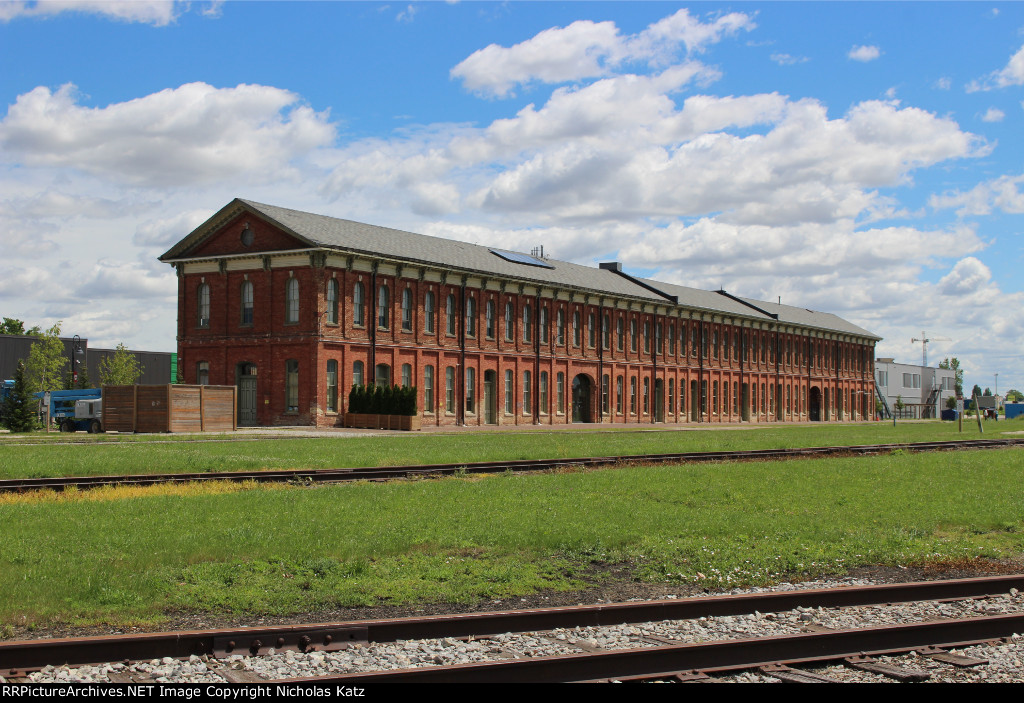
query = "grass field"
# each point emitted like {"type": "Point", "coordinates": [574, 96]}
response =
{"type": "Point", "coordinates": [154, 454]}
{"type": "Point", "coordinates": [135, 555]}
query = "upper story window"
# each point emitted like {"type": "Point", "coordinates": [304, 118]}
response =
{"type": "Point", "coordinates": [471, 316]}
{"type": "Point", "coordinates": [490, 319]}
{"type": "Point", "coordinates": [543, 325]}
{"type": "Point", "coordinates": [332, 301]}
{"type": "Point", "coordinates": [632, 335]}
{"type": "Point", "coordinates": [358, 305]}
{"type": "Point", "coordinates": [383, 308]}
{"type": "Point", "coordinates": [291, 301]}
{"type": "Point", "coordinates": [591, 331]}
{"type": "Point", "coordinates": [428, 312]}
{"type": "Point", "coordinates": [606, 331]}
{"type": "Point", "coordinates": [619, 334]}
{"type": "Point", "coordinates": [450, 312]}
{"type": "Point", "coordinates": [407, 310]}
{"type": "Point", "coordinates": [510, 321]}
{"type": "Point", "coordinates": [526, 323]}
{"type": "Point", "coordinates": [560, 327]}
{"type": "Point", "coordinates": [577, 333]}
{"type": "Point", "coordinates": [203, 305]}
{"type": "Point", "coordinates": [247, 304]}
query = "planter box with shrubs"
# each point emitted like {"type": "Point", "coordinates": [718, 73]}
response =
{"type": "Point", "coordinates": [382, 408]}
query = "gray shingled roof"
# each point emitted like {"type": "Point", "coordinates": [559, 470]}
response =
{"type": "Point", "coordinates": [359, 238]}
{"type": "Point", "coordinates": [805, 317]}
{"type": "Point", "coordinates": [321, 231]}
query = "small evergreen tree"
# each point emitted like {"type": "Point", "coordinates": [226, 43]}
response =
{"type": "Point", "coordinates": [19, 415]}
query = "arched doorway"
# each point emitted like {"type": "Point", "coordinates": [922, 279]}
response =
{"type": "Point", "coordinates": [581, 398]}
{"type": "Point", "coordinates": [814, 410]}
{"type": "Point", "coordinates": [659, 400]}
{"type": "Point", "coordinates": [490, 397]}
{"type": "Point", "coordinates": [245, 379]}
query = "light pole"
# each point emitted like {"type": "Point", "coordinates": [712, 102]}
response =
{"type": "Point", "coordinates": [76, 349]}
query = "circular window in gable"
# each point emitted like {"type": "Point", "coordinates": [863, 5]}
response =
{"type": "Point", "coordinates": [247, 236]}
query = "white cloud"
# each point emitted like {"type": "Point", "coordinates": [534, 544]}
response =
{"type": "Point", "coordinates": [192, 134]}
{"type": "Point", "coordinates": [156, 12]}
{"type": "Point", "coordinates": [864, 53]}
{"type": "Point", "coordinates": [788, 60]}
{"type": "Point", "coordinates": [586, 49]}
{"type": "Point", "coordinates": [967, 276]}
{"type": "Point", "coordinates": [164, 232]}
{"type": "Point", "coordinates": [1009, 75]}
{"type": "Point", "coordinates": [993, 114]}
{"type": "Point", "coordinates": [944, 83]}
{"type": "Point", "coordinates": [1003, 193]}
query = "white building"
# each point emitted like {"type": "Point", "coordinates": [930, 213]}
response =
{"type": "Point", "coordinates": [922, 390]}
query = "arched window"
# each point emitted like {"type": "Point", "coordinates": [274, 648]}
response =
{"type": "Point", "coordinates": [470, 390]}
{"type": "Point", "coordinates": [332, 301]}
{"type": "Point", "coordinates": [383, 307]}
{"type": "Point", "coordinates": [203, 305]}
{"type": "Point", "coordinates": [203, 373]}
{"type": "Point", "coordinates": [605, 393]}
{"type": "Point", "coordinates": [510, 392]}
{"type": "Point", "coordinates": [382, 375]}
{"type": "Point", "coordinates": [358, 305]}
{"type": "Point", "coordinates": [428, 388]}
{"type": "Point", "coordinates": [618, 395]}
{"type": "Point", "coordinates": [490, 319]}
{"type": "Point", "coordinates": [247, 304]}
{"type": "Point", "coordinates": [428, 312]}
{"type": "Point", "coordinates": [619, 334]}
{"type": "Point", "coordinates": [470, 316]}
{"type": "Point", "coordinates": [407, 310]}
{"type": "Point", "coordinates": [632, 335]}
{"type": "Point", "coordinates": [449, 389]}
{"type": "Point", "coordinates": [591, 331]}
{"type": "Point", "coordinates": [332, 386]}
{"type": "Point", "coordinates": [560, 327]}
{"type": "Point", "coordinates": [357, 374]}
{"type": "Point", "coordinates": [406, 375]}
{"type": "Point", "coordinates": [510, 321]}
{"type": "Point", "coordinates": [450, 312]}
{"type": "Point", "coordinates": [526, 323]}
{"type": "Point", "coordinates": [632, 395]}
{"type": "Point", "coordinates": [577, 333]}
{"type": "Point", "coordinates": [560, 392]}
{"type": "Point", "coordinates": [291, 385]}
{"type": "Point", "coordinates": [543, 324]}
{"type": "Point", "coordinates": [291, 302]}
{"type": "Point", "coordinates": [671, 395]}
{"type": "Point", "coordinates": [543, 392]}
{"type": "Point", "coordinates": [606, 331]}
{"type": "Point", "coordinates": [527, 409]}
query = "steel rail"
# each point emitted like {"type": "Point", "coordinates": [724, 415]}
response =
{"type": "Point", "coordinates": [33, 654]}
{"type": "Point", "coordinates": [420, 470]}
{"type": "Point", "coordinates": [717, 656]}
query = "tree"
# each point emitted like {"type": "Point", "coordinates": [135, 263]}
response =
{"type": "Point", "coordinates": [122, 369]}
{"type": "Point", "coordinates": [958, 373]}
{"type": "Point", "coordinates": [44, 370]}
{"type": "Point", "coordinates": [12, 326]}
{"type": "Point", "coordinates": [18, 415]}
{"type": "Point", "coordinates": [976, 391]}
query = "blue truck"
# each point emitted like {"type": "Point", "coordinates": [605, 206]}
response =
{"type": "Point", "coordinates": [77, 410]}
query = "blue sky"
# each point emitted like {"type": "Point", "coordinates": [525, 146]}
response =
{"type": "Point", "coordinates": [866, 159]}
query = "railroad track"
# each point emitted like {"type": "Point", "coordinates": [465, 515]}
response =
{"type": "Point", "coordinates": [590, 643]}
{"type": "Point", "coordinates": [424, 470]}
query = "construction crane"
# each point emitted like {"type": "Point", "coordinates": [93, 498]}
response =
{"type": "Point", "coordinates": [924, 345]}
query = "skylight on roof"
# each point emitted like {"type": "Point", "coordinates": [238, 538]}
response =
{"type": "Point", "coordinates": [517, 258]}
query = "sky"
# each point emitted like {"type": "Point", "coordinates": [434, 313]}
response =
{"type": "Point", "coordinates": [864, 159]}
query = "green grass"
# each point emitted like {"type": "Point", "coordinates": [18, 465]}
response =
{"type": "Point", "coordinates": [292, 550]}
{"type": "Point", "coordinates": [106, 458]}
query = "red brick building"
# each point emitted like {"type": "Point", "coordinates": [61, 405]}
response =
{"type": "Point", "coordinates": [294, 308]}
